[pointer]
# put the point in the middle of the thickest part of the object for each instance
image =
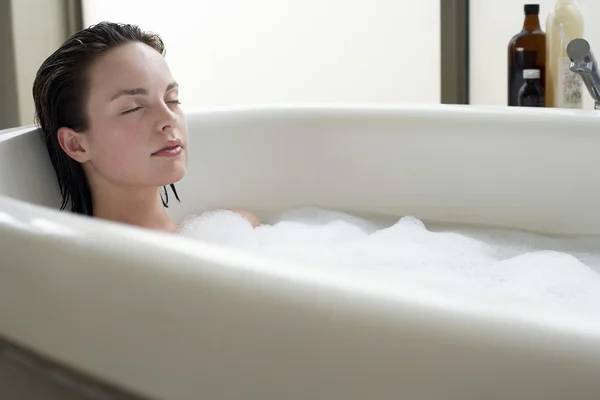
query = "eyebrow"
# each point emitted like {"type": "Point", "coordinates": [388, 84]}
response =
{"type": "Point", "coordinates": [140, 91]}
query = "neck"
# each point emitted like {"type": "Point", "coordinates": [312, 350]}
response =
{"type": "Point", "coordinates": [532, 22]}
{"type": "Point", "coordinates": [134, 206]}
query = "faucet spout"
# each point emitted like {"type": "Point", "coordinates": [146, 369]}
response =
{"type": "Point", "coordinates": [584, 63]}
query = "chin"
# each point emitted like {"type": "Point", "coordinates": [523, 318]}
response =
{"type": "Point", "coordinates": [172, 176]}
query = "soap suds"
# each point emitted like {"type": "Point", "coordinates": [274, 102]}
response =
{"type": "Point", "coordinates": [502, 262]}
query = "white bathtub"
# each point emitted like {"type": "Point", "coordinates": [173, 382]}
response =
{"type": "Point", "coordinates": [171, 318]}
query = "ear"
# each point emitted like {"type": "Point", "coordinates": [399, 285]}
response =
{"type": "Point", "coordinates": [74, 144]}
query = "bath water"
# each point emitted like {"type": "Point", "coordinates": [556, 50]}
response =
{"type": "Point", "coordinates": [563, 271]}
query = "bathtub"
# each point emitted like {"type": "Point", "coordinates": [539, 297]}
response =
{"type": "Point", "coordinates": [88, 306]}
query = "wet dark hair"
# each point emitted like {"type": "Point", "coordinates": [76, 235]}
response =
{"type": "Point", "coordinates": [59, 92]}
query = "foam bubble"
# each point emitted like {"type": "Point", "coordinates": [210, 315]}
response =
{"type": "Point", "coordinates": [501, 262]}
{"type": "Point", "coordinates": [220, 226]}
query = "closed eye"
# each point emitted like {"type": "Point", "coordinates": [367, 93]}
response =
{"type": "Point", "coordinates": [131, 110]}
{"type": "Point", "coordinates": [173, 102]}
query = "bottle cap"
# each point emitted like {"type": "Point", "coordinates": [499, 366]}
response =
{"type": "Point", "coordinates": [532, 8]}
{"type": "Point", "coordinates": [531, 74]}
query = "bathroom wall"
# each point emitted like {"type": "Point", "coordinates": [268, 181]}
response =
{"type": "Point", "coordinates": [39, 27]}
{"type": "Point", "coordinates": [231, 52]}
{"type": "Point", "coordinates": [237, 52]}
{"type": "Point", "coordinates": [492, 25]}
{"type": "Point", "coordinates": [9, 112]}
{"type": "Point", "coordinates": [31, 31]}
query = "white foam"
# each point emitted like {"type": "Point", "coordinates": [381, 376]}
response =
{"type": "Point", "coordinates": [501, 262]}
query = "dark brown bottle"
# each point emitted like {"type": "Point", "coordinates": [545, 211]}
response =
{"type": "Point", "coordinates": [526, 50]}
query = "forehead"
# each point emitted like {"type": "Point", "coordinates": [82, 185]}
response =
{"type": "Point", "coordinates": [130, 65]}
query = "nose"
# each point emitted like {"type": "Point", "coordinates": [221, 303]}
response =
{"type": "Point", "coordinates": [166, 118]}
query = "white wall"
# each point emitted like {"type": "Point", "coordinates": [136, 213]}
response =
{"type": "Point", "coordinates": [231, 52]}
{"type": "Point", "coordinates": [492, 24]}
{"type": "Point", "coordinates": [39, 28]}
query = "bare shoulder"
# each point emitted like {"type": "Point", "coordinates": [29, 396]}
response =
{"type": "Point", "coordinates": [254, 220]}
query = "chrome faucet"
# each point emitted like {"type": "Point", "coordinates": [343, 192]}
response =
{"type": "Point", "coordinates": [584, 63]}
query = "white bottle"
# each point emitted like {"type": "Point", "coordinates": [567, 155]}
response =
{"type": "Point", "coordinates": [564, 88]}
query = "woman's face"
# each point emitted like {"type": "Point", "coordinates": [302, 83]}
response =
{"type": "Point", "coordinates": [137, 133]}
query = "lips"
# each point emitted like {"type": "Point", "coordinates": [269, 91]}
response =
{"type": "Point", "coordinates": [171, 148]}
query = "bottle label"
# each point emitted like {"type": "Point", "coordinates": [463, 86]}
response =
{"type": "Point", "coordinates": [569, 89]}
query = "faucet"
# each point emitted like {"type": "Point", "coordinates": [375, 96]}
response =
{"type": "Point", "coordinates": [584, 63]}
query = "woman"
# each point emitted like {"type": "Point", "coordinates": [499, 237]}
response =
{"type": "Point", "coordinates": [108, 108]}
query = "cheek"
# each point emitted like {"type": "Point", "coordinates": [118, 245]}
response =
{"type": "Point", "coordinates": [184, 133]}
{"type": "Point", "coordinates": [119, 153]}
{"type": "Point", "coordinates": [182, 122]}
{"type": "Point", "coordinates": [182, 126]}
